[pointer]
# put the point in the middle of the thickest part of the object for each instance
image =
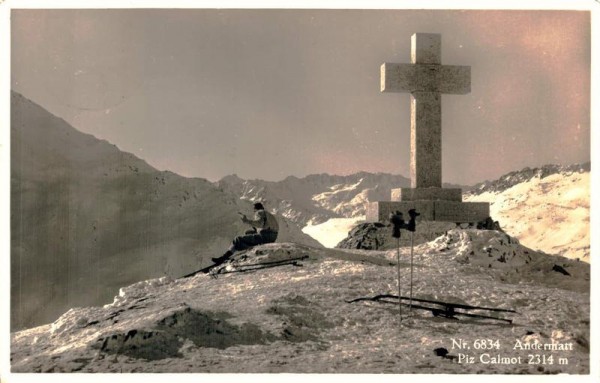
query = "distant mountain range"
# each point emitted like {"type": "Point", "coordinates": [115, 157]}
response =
{"type": "Point", "coordinates": [87, 218]}
{"type": "Point", "coordinates": [317, 198]}
{"type": "Point", "coordinates": [546, 207]}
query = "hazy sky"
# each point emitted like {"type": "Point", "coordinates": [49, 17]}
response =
{"type": "Point", "coordinates": [271, 93]}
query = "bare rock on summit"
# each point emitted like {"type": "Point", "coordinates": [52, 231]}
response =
{"type": "Point", "coordinates": [504, 258]}
{"type": "Point", "coordinates": [378, 236]}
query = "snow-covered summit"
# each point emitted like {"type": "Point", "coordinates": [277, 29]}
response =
{"type": "Point", "coordinates": [296, 317]}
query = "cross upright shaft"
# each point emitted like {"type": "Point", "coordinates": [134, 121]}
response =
{"type": "Point", "coordinates": [426, 79]}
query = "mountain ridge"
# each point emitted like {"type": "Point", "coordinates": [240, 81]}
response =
{"type": "Point", "coordinates": [513, 178]}
{"type": "Point", "coordinates": [316, 198]}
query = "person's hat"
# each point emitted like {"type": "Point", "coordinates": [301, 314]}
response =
{"type": "Point", "coordinates": [258, 206]}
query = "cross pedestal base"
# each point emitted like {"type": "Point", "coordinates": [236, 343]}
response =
{"type": "Point", "coordinates": [432, 194]}
{"type": "Point", "coordinates": [448, 211]}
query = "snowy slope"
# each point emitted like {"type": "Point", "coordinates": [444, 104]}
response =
{"type": "Point", "coordinates": [331, 232]}
{"type": "Point", "coordinates": [550, 213]}
{"type": "Point", "coordinates": [297, 319]}
{"type": "Point", "coordinates": [513, 178]}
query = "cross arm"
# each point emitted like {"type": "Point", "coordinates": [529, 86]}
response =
{"type": "Point", "coordinates": [409, 78]}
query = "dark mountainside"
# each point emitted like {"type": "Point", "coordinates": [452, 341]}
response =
{"type": "Point", "coordinates": [87, 219]}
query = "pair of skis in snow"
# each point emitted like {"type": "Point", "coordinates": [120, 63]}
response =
{"type": "Point", "coordinates": [437, 308]}
{"type": "Point", "coordinates": [214, 269]}
{"type": "Point", "coordinates": [205, 270]}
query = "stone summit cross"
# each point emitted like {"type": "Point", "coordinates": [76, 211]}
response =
{"type": "Point", "coordinates": [425, 78]}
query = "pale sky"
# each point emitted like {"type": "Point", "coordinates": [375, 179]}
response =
{"type": "Point", "coordinates": [272, 93]}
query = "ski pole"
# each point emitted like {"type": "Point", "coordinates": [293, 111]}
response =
{"type": "Point", "coordinates": [411, 270]}
{"type": "Point", "coordinates": [398, 269]}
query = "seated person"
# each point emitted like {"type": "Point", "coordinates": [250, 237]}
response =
{"type": "Point", "coordinates": [267, 227]}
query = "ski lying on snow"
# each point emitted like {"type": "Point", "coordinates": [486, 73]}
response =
{"type": "Point", "coordinates": [249, 267]}
{"type": "Point", "coordinates": [259, 266]}
{"type": "Point", "coordinates": [447, 310]}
